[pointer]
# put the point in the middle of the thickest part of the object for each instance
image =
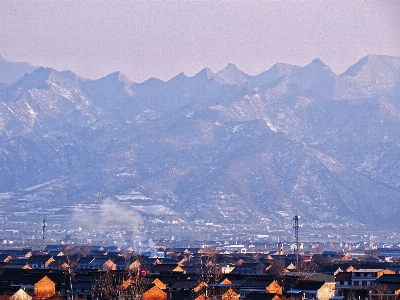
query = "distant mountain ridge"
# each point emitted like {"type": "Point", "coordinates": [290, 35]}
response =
{"type": "Point", "coordinates": [222, 147]}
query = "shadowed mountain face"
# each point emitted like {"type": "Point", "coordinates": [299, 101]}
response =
{"type": "Point", "coordinates": [227, 148]}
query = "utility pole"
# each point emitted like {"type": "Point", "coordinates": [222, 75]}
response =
{"type": "Point", "coordinates": [296, 240]}
{"type": "Point", "coordinates": [43, 234]}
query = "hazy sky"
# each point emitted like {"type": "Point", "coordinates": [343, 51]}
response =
{"type": "Point", "coordinates": [163, 38]}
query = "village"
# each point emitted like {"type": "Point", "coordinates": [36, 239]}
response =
{"type": "Point", "coordinates": [206, 272]}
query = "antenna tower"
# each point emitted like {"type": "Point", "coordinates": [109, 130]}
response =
{"type": "Point", "coordinates": [43, 233]}
{"type": "Point", "coordinates": [296, 240]}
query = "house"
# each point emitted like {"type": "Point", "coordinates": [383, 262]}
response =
{"type": "Point", "coordinates": [5, 258]}
{"type": "Point", "coordinates": [343, 283]}
{"type": "Point", "coordinates": [58, 263]}
{"type": "Point", "coordinates": [251, 268]}
{"type": "Point", "coordinates": [159, 283]}
{"type": "Point", "coordinates": [336, 268]}
{"type": "Point", "coordinates": [109, 265]}
{"type": "Point", "coordinates": [155, 293]}
{"type": "Point", "coordinates": [307, 289]}
{"type": "Point", "coordinates": [230, 294]}
{"type": "Point", "coordinates": [39, 261]}
{"type": "Point", "coordinates": [56, 253]}
{"type": "Point", "coordinates": [227, 268]}
{"type": "Point", "coordinates": [28, 280]}
{"type": "Point", "coordinates": [15, 264]}
{"type": "Point", "coordinates": [364, 278]}
{"type": "Point", "coordinates": [82, 289]}
{"type": "Point", "coordinates": [99, 263]}
{"type": "Point", "coordinates": [387, 287]}
{"type": "Point", "coordinates": [20, 295]}
{"type": "Point", "coordinates": [85, 263]}
{"type": "Point", "coordinates": [189, 269]}
{"type": "Point", "coordinates": [389, 252]}
{"type": "Point", "coordinates": [261, 286]}
{"type": "Point", "coordinates": [44, 288]}
{"type": "Point", "coordinates": [166, 268]}
{"type": "Point", "coordinates": [182, 287]}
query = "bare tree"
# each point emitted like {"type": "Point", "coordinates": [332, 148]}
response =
{"type": "Point", "coordinates": [107, 285]}
{"type": "Point", "coordinates": [130, 283]}
{"type": "Point", "coordinates": [73, 254]}
{"type": "Point", "coordinates": [209, 273]}
{"type": "Point", "coordinates": [138, 285]}
{"type": "Point", "coordinates": [381, 290]}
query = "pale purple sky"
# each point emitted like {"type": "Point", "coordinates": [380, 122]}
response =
{"type": "Point", "coordinates": [163, 38]}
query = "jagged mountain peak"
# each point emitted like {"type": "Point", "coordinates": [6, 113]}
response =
{"type": "Point", "coordinates": [205, 73]}
{"type": "Point", "coordinates": [318, 67]}
{"type": "Point", "coordinates": [283, 68]}
{"type": "Point", "coordinates": [116, 78]}
{"type": "Point", "coordinates": [178, 78]}
{"type": "Point", "coordinates": [373, 63]}
{"type": "Point", "coordinates": [231, 74]}
{"type": "Point", "coordinates": [370, 75]}
{"type": "Point", "coordinates": [278, 70]}
{"type": "Point", "coordinates": [152, 81]}
{"type": "Point", "coordinates": [230, 68]}
{"type": "Point", "coordinates": [43, 77]}
{"type": "Point", "coordinates": [317, 63]}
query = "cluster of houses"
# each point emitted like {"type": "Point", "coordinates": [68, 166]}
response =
{"type": "Point", "coordinates": [193, 273]}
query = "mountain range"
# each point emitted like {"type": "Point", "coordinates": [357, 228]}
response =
{"type": "Point", "coordinates": [224, 147]}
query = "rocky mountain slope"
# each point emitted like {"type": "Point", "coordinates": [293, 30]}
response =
{"type": "Point", "coordinates": [222, 147]}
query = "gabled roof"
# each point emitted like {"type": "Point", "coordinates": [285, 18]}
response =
{"type": "Point", "coordinates": [16, 252]}
{"type": "Point", "coordinates": [190, 269]}
{"type": "Point", "coordinates": [165, 268]}
{"type": "Point", "coordinates": [161, 285]}
{"type": "Point", "coordinates": [30, 279]}
{"type": "Point", "coordinates": [20, 295]}
{"type": "Point", "coordinates": [331, 269]}
{"type": "Point", "coordinates": [394, 268]}
{"type": "Point", "coordinates": [321, 277]}
{"type": "Point", "coordinates": [46, 281]}
{"type": "Point", "coordinates": [371, 266]}
{"type": "Point", "coordinates": [122, 261]}
{"type": "Point", "coordinates": [5, 257]}
{"type": "Point", "coordinates": [85, 260]}
{"type": "Point", "coordinates": [168, 279]}
{"type": "Point", "coordinates": [389, 278]}
{"type": "Point", "coordinates": [184, 284]}
{"type": "Point", "coordinates": [112, 249]}
{"type": "Point", "coordinates": [367, 270]}
{"type": "Point", "coordinates": [182, 295]}
{"type": "Point", "coordinates": [252, 283]}
{"type": "Point", "coordinates": [99, 260]}
{"type": "Point", "coordinates": [38, 259]}
{"type": "Point", "coordinates": [307, 285]}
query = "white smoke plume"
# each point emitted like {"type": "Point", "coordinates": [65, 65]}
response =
{"type": "Point", "coordinates": [109, 214]}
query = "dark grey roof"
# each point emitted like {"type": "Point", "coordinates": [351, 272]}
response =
{"type": "Point", "coordinates": [308, 285]}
